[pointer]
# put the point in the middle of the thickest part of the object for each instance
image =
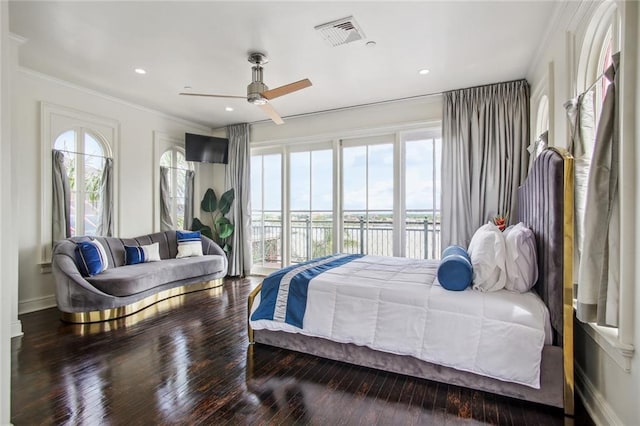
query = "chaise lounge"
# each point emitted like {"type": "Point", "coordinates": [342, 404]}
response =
{"type": "Point", "coordinates": [124, 289]}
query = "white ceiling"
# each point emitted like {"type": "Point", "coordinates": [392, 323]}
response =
{"type": "Point", "coordinates": [205, 45]}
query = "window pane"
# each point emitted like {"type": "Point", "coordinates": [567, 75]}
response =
{"type": "Point", "coordinates": [272, 182]}
{"type": "Point", "coordinates": [380, 186]}
{"type": "Point", "coordinates": [181, 163]}
{"type": "Point", "coordinates": [300, 181]}
{"type": "Point", "coordinates": [92, 146]}
{"type": "Point", "coordinates": [256, 182]}
{"type": "Point", "coordinates": [66, 141]}
{"type": "Point", "coordinates": [354, 177]}
{"type": "Point", "coordinates": [181, 176]}
{"type": "Point", "coordinates": [322, 180]}
{"type": "Point", "coordinates": [165, 159]}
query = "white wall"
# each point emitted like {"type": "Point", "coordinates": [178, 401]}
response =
{"type": "Point", "coordinates": [134, 156]}
{"type": "Point", "coordinates": [7, 281]}
{"type": "Point", "coordinates": [609, 391]}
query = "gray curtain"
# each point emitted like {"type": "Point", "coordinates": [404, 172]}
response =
{"type": "Point", "coordinates": [485, 133]}
{"type": "Point", "coordinates": [166, 222]}
{"type": "Point", "coordinates": [599, 270]}
{"type": "Point", "coordinates": [61, 203]}
{"type": "Point", "coordinates": [238, 177]}
{"type": "Point", "coordinates": [105, 227]}
{"type": "Point", "coordinates": [582, 127]}
{"type": "Point", "coordinates": [188, 198]}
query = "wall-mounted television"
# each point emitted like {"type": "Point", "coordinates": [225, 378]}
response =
{"type": "Point", "coordinates": [206, 149]}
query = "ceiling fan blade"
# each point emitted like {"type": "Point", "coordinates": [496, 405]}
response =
{"type": "Point", "coordinates": [272, 113]}
{"type": "Point", "coordinates": [213, 96]}
{"type": "Point", "coordinates": [286, 89]}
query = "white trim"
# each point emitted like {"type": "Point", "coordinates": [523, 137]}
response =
{"type": "Point", "coordinates": [36, 74]}
{"type": "Point", "coordinates": [607, 339]}
{"type": "Point", "coordinates": [594, 402]}
{"type": "Point", "coordinates": [37, 304]}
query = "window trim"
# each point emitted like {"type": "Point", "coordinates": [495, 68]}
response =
{"type": "Point", "coordinates": [52, 117]}
{"type": "Point", "coordinates": [605, 24]}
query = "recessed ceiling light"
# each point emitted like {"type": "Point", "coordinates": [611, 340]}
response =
{"type": "Point", "coordinates": [371, 44]}
{"type": "Point", "coordinates": [228, 109]}
{"type": "Point", "coordinates": [423, 72]}
{"type": "Point", "coordinates": [187, 87]}
{"type": "Point", "coordinates": [140, 71]}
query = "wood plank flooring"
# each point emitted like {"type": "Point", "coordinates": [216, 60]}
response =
{"type": "Point", "coordinates": [188, 362]}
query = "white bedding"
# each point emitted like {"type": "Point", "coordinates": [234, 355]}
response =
{"type": "Point", "coordinates": [396, 305]}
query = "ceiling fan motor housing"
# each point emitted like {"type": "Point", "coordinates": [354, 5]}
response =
{"type": "Point", "coordinates": [257, 87]}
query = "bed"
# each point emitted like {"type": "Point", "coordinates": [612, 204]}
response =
{"type": "Point", "coordinates": [535, 361]}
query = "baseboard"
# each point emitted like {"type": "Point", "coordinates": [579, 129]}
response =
{"type": "Point", "coordinates": [16, 328]}
{"type": "Point", "coordinates": [36, 304]}
{"type": "Point", "coordinates": [596, 405]}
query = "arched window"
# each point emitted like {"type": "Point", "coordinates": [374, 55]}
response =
{"type": "Point", "coordinates": [176, 189]}
{"type": "Point", "coordinates": [85, 157]}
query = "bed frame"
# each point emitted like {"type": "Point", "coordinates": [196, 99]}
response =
{"type": "Point", "coordinates": [545, 204]}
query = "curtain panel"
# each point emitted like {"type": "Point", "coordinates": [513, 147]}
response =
{"type": "Point", "coordinates": [485, 135]}
{"type": "Point", "coordinates": [166, 222]}
{"type": "Point", "coordinates": [599, 268]}
{"type": "Point", "coordinates": [238, 177]}
{"type": "Point", "coordinates": [189, 177]}
{"type": "Point", "coordinates": [580, 112]}
{"type": "Point", "coordinates": [61, 204]}
{"type": "Point", "coordinates": [105, 227]}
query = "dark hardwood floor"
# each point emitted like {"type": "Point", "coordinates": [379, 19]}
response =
{"type": "Point", "coordinates": [188, 362]}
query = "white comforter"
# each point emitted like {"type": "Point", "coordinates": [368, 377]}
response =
{"type": "Point", "coordinates": [396, 305]}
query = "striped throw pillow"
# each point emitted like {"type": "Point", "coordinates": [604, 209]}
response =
{"type": "Point", "coordinates": [142, 254]}
{"type": "Point", "coordinates": [189, 244]}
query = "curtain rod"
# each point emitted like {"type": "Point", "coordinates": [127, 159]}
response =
{"type": "Point", "coordinates": [80, 153]}
{"type": "Point", "coordinates": [598, 78]}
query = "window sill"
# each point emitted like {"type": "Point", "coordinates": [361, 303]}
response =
{"type": "Point", "coordinates": [607, 339]}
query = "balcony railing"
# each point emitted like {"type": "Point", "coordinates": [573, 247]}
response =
{"type": "Point", "coordinates": [310, 239]}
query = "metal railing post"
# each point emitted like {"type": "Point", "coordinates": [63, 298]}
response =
{"type": "Point", "coordinates": [426, 238]}
{"type": "Point", "coordinates": [309, 239]}
{"type": "Point", "coordinates": [361, 234]}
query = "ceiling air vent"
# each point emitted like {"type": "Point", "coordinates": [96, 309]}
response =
{"type": "Point", "coordinates": [342, 31]}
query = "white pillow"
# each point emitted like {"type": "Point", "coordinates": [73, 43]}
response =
{"type": "Point", "coordinates": [152, 252]}
{"type": "Point", "coordinates": [522, 260]}
{"type": "Point", "coordinates": [488, 257]}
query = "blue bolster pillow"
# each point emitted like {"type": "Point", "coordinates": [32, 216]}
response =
{"type": "Point", "coordinates": [455, 271]}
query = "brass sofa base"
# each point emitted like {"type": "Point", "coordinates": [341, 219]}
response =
{"type": "Point", "coordinates": [123, 311]}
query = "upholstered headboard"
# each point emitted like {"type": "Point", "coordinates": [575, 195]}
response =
{"type": "Point", "coordinates": [545, 204]}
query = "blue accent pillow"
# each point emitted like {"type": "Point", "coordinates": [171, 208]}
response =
{"type": "Point", "coordinates": [455, 271]}
{"type": "Point", "coordinates": [133, 255]}
{"type": "Point", "coordinates": [91, 258]}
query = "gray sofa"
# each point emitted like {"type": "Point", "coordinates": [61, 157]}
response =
{"type": "Point", "coordinates": [123, 289]}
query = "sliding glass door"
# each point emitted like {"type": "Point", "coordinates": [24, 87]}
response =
{"type": "Point", "coordinates": [368, 195]}
{"type": "Point", "coordinates": [266, 210]}
{"type": "Point", "coordinates": [311, 204]}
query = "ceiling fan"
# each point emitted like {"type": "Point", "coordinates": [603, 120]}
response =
{"type": "Point", "coordinates": [258, 93]}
